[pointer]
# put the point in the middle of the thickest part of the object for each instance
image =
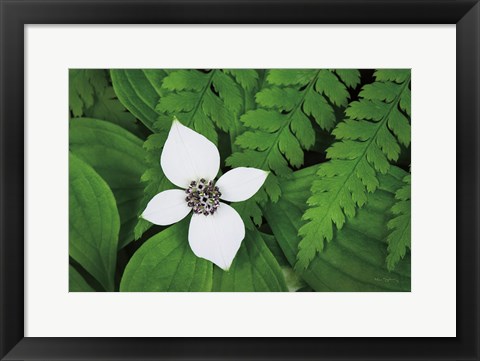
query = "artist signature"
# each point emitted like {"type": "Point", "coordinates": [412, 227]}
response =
{"type": "Point", "coordinates": [386, 279]}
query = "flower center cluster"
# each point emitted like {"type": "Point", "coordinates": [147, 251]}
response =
{"type": "Point", "coordinates": [203, 196]}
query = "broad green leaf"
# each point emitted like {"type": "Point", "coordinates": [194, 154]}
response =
{"type": "Point", "coordinates": [118, 156]}
{"type": "Point", "coordinates": [292, 280]}
{"type": "Point", "coordinates": [254, 269]}
{"type": "Point", "coordinates": [139, 91]}
{"type": "Point", "coordinates": [355, 259]}
{"type": "Point", "coordinates": [94, 223]}
{"type": "Point", "coordinates": [165, 262]}
{"type": "Point", "coordinates": [76, 283]}
{"type": "Point", "coordinates": [275, 248]}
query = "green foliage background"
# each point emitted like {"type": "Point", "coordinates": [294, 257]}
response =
{"type": "Point", "coordinates": [333, 215]}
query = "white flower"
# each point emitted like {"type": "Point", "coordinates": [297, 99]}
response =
{"type": "Point", "coordinates": [191, 161]}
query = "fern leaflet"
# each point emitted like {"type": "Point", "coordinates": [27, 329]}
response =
{"type": "Point", "coordinates": [247, 78]}
{"type": "Point", "coordinates": [400, 225]}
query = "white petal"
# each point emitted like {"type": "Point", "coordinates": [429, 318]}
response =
{"type": "Point", "coordinates": [217, 237]}
{"type": "Point", "coordinates": [167, 207]}
{"type": "Point", "coordinates": [241, 183]}
{"type": "Point", "coordinates": [188, 155]}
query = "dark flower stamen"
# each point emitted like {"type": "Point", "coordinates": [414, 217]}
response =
{"type": "Point", "coordinates": [203, 196]}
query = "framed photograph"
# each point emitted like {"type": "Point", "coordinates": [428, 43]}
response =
{"type": "Point", "coordinates": [239, 180]}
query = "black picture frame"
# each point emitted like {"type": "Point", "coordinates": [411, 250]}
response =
{"type": "Point", "coordinates": [15, 14]}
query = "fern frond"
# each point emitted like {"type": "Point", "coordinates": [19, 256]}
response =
{"type": "Point", "coordinates": [400, 225]}
{"type": "Point", "coordinates": [366, 142]}
{"type": "Point", "coordinates": [279, 129]}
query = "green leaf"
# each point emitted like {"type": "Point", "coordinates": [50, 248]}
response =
{"type": "Point", "coordinates": [118, 157]}
{"type": "Point", "coordinates": [254, 269]}
{"type": "Point", "coordinates": [84, 85]}
{"type": "Point", "coordinates": [400, 225]}
{"type": "Point", "coordinates": [140, 91]}
{"type": "Point", "coordinates": [165, 262]}
{"type": "Point", "coordinates": [293, 281]}
{"type": "Point", "coordinates": [76, 283]}
{"type": "Point", "coordinates": [275, 248]}
{"type": "Point", "coordinates": [94, 223]}
{"type": "Point", "coordinates": [355, 260]}
{"type": "Point", "coordinates": [365, 143]}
